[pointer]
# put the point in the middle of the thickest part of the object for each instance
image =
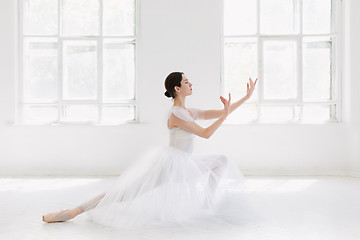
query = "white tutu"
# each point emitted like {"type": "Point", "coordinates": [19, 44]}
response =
{"type": "Point", "coordinates": [170, 186]}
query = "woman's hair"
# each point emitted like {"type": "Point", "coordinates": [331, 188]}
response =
{"type": "Point", "coordinates": [172, 80]}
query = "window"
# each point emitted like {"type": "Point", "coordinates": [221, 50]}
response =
{"type": "Point", "coordinates": [77, 61]}
{"type": "Point", "coordinates": [292, 46]}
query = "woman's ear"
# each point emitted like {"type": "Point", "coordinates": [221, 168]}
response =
{"type": "Point", "coordinates": [177, 89]}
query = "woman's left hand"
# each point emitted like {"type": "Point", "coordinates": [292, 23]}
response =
{"type": "Point", "coordinates": [227, 105]}
{"type": "Point", "coordinates": [250, 88]}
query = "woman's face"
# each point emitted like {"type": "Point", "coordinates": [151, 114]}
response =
{"type": "Point", "coordinates": [186, 87]}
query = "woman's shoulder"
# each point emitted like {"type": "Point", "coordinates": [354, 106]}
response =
{"type": "Point", "coordinates": [181, 113]}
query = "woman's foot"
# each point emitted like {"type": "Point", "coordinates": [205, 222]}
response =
{"type": "Point", "coordinates": [62, 215]}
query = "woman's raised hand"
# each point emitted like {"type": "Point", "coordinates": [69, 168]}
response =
{"type": "Point", "coordinates": [250, 88]}
{"type": "Point", "coordinates": [226, 104]}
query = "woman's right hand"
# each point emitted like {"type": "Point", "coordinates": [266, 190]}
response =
{"type": "Point", "coordinates": [250, 88]}
{"type": "Point", "coordinates": [226, 104]}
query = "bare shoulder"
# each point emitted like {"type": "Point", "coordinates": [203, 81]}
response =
{"type": "Point", "coordinates": [174, 121]}
{"type": "Point", "coordinates": [171, 121]}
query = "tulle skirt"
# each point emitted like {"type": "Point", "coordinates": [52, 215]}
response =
{"type": "Point", "coordinates": [170, 187]}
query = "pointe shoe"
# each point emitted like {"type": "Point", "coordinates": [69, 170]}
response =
{"type": "Point", "coordinates": [51, 217]}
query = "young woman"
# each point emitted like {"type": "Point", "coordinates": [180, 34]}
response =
{"type": "Point", "coordinates": [171, 185]}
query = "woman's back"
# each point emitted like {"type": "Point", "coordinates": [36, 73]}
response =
{"type": "Point", "coordinates": [179, 138]}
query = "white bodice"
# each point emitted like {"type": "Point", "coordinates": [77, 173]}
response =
{"type": "Point", "coordinates": [179, 138]}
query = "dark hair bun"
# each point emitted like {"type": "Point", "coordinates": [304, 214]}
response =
{"type": "Point", "coordinates": [172, 80]}
{"type": "Point", "coordinates": [167, 94]}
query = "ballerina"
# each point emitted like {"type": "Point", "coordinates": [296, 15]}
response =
{"type": "Point", "coordinates": [170, 185]}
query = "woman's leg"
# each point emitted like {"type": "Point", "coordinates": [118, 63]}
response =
{"type": "Point", "coordinates": [137, 188]}
{"type": "Point", "coordinates": [68, 214]}
{"type": "Point", "coordinates": [88, 205]}
{"type": "Point", "coordinates": [217, 168]}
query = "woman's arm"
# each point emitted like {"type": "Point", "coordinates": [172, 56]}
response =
{"type": "Point", "coordinates": [211, 114]}
{"type": "Point", "coordinates": [194, 128]}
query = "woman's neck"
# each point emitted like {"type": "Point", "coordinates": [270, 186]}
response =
{"type": "Point", "coordinates": [179, 101]}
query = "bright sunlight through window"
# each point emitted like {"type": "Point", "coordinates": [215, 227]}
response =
{"type": "Point", "coordinates": [293, 47]}
{"type": "Point", "coordinates": [77, 61]}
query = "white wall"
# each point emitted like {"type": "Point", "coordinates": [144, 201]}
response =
{"type": "Point", "coordinates": [177, 35]}
{"type": "Point", "coordinates": [353, 84]}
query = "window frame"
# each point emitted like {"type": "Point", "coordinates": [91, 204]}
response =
{"type": "Point", "coordinates": [60, 103]}
{"type": "Point", "coordinates": [337, 63]}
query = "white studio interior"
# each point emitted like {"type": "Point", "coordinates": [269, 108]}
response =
{"type": "Point", "coordinates": [295, 146]}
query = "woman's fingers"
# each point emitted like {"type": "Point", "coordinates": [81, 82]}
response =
{"type": "Point", "coordinates": [224, 101]}
{"type": "Point", "coordinates": [251, 85]}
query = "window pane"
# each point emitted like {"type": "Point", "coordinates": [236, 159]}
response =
{"type": "Point", "coordinates": [41, 70]}
{"type": "Point", "coordinates": [81, 113]}
{"type": "Point", "coordinates": [276, 114]}
{"type": "Point", "coordinates": [316, 16]}
{"type": "Point", "coordinates": [119, 71]}
{"type": "Point", "coordinates": [118, 114]}
{"type": "Point", "coordinates": [240, 63]}
{"type": "Point", "coordinates": [40, 17]}
{"type": "Point", "coordinates": [80, 69]}
{"type": "Point", "coordinates": [40, 114]}
{"type": "Point", "coordinates": [119, 17]}
{"type": "Point", "coordinates": [80, 17]}
{"type": "Point", "coordinates": [244, 114]}
{"type": "Point", "coordinates": [316, 114]}
{"type": "Point", "coordinates": [280, 77]}
{"type": "Point", "coordinates": [277, 16]}
{"type": "Point", "coordinates": [240, 17]}
{"type": "Point", "coordinates": [316, 70]}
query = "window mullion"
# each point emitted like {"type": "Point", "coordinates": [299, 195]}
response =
{"type": "Point", "coordinates": [136, 33]}
{"type": "Point", "coordinates": [295, 102]}
{"type": "Point", "coordinates": [338, 48]}
{"type": "Point", "coordinates": [300, 73]}
{"type": "Point", "coordinates": [334, 72]}
{"type": "Point", "coordinates": [20, 105]}
{"type": "Point", "coordinates": [260, 59]}
{"type": "Point", "coordinates": [300, 58]}
{"type": "Point", "coordinates": [258, 17]}
{"type": "Point", "coordinates": [334, 13]}
{"type": "Point", "coordinates": [222, 57]}
{"type": "Point", "coordinates": [261, 73]}
{"type": "Point", "coordinates": [60, 80]}
{"type": "Point", "coordinates": [60, 74]}
{"type": "Point", "coordinates": [296, 13]}
{"type": "Point", "coordinates": [60, 17]}
{"type": "Point", "coordinates": [100, 64]}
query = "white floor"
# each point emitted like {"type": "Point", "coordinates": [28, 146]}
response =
{"type": "Point", "coordinates": [308, 208]}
